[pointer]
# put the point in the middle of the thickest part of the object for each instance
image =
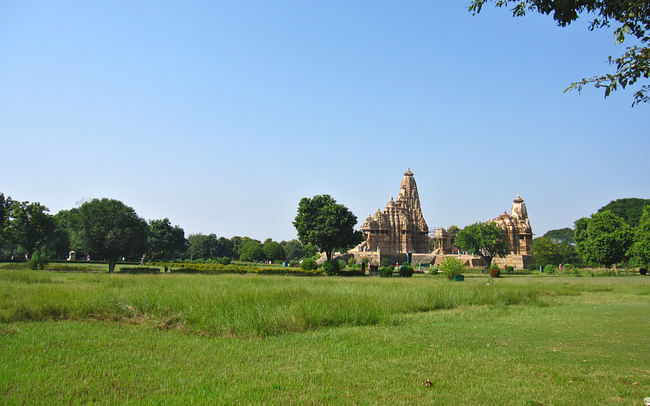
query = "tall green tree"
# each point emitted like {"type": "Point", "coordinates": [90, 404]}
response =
{"type": "Point", "coordinates": [629, 17]}
{"type": "Point", "coordinates": [629, 209]}
{"type": "Point", "coordinates": [326, 224]}
{"type": "Point", "coordinates": [273, 251]}
{"type": "Point", "coordinates": [562, 235]}
{"type": "Point", "coordinates": [640, 249]}
{"type": "Point", "coordinates": [602, 239]}
{"type": "Point", "coordinates": [30, 226]}
{"type": "Point", "coordinates": [164, 241]}
{"type": "Point", "coordinates": [483, 239]}
{"type": "Point", "coordinates": [251, 251]}
{"type": "Point", "coordinates": [109, 229]}
{"type": "Point", "coordinates": [547, 251]}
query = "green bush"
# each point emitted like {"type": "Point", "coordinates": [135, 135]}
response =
{"type": "Point", "coordinates": [405, 271]}
{"type": "Point", "coordinates": [38, 260]}
{"type": "Point", "coordinates": [224, 260]}
{"type": "Point", "coordinates": [451, 267]}
{"type": "Point", "coordinates": [351, 273]}
{"type": "Point", "coordinates": [386, 271]}
{"type": "Point", "coordinates": [494, 271]}
{"type": "Point", "coordinates": [510, 269]}
{"type": "Point", "coordinates": [643, 271]}
{"type": "Point", "coordinates": [385, 262]}
{"type": "Point", "coordinates": [331, 267]}
{"type": "Point", "coordinates": [352, 262]}
{"type": "Point", "coordinates": [550, 269]}
{"type": "Point", "coordinates": [309, 264]}
{"type": "Point", "coordinates": [434, 270]}
{"type": "Point", "coordinates": [139, 269]}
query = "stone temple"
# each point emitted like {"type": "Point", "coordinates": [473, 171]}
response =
{"type": "Point", "coordinates": [400, 229]}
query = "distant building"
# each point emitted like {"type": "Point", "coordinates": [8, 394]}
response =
{"type": "Point", "coordinates": [400, 229]}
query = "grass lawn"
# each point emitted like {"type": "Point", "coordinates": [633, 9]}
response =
{"type": "Point", "coordinates": [179, 339]}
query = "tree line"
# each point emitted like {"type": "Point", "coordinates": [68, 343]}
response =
{"type": "Point", "coordinates": [618, 233]}
{"type": "Point", "coordinates": [108, 230]}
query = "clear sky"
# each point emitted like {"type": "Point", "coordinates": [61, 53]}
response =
{"type": "Point", "coordinates": [222, 115]}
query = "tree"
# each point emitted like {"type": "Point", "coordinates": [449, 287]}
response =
{"type": "Point", "coordinates": [7, 246]}
{"type": "Point", "coordinates": [631, 17]}
{"type": "Point", "coordinates": [547, 251]}
{"type": "Point", "coordinates": [641, 247]}
{"type": "Point", "coordinates": [164, 241]}
{"type": "Point", "coordinates": [603, 238]}
{"type": "Point", "coordinates": [324, 223]}
{"type": "Point", "coordinates": [629, 209]}
{"type": "Point", "coordinates": [30, 226]}
{"type": "Point", "coordinates": [562, 235]}
{"type": "Point", "coordinates": [251, 251]}
{"type": "Point", "coordinates": [483, 239]}
{"type": "Point", "coordinates": [273, 251]}
{"type": "Point", "coordinates": [292, 249]}
{"type": "Point", "coordinates": [109, 229]}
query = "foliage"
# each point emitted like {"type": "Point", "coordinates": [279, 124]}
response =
{"type": "Point", "coordinates": [494, 271]}
{"type": "Point", "coordinates": [643, 271]}
{"type": "Point", "coordinates": [550, 269]}
{"type": "Point", "coordinates": [251, 251]}
{"type": "Point", "coordinates": [220, 269]}
{"type": "Point", "coordinates": [139, 269]}
{"type": "Point", "coordinates": [38, 260]}
{"type": "Point", "coordinates": [603, 238]}
{"type": "Point", "coordinates": [109, 229]}
{"type": "Point", "coordinates": [405, 271]}
{"type": "Point", "coordinates": [200, 246]}
{"type": "Point", "coordinates": [385, 262]}
{"type": "Point", "coordinates": [629, 209]}
{"type": "Point", "coordinates": [451, 267]}
{"type": "Point", "coordinates": [29, 226]}
{"type": "Point", "coordinates": [164, 241]}
{"type": "Point", "coordinates": [324, 223]}
{"type": "Point", "coordinates": [546, 250]}
{"type": "Point", "coordinates": [386, 271]}
{"type": "Point", "coordinates": [483, 239]}
{"type": "Point", "coordinates": [562, 235]}
{"type": "Point", "coordinates": [631, 17]}
{"type": "Point", "coordinates": [292, 249]}
{"type": "Point", "coordinates": [331, 267]}
{"type": "Point", "coordinates": [309, 264]}
{"type": "Point", "coordinates": [640, 250]}
{"type": "Point", "coordinates": [352, 261]}
{"type": "Point", "coordinates": [273, 251]}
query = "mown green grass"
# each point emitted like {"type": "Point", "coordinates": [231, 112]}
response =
{"type": "Point", "coordinates": [521, 340]}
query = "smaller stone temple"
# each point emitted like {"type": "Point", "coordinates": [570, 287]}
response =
{"type": "Point", "coordinates": [518, 233]}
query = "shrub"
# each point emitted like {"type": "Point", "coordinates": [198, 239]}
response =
{"type": "Point", "coordinates": [331, 267]}
{"type": "Point", "coordinates": [139, 269]}
{"type": "Point", "coordinates": [451, 267]}
{"type": "Point", "coordinates": [309, 264]}
{"type": "Point", "coordinates": [342, 264]}
{"type": "Point", "coordinates": [385, 262]}
{"type": "Point", "coordinates": [510, 269]}
{"type": "Point", "coordinates": [550, 269]}
{"type": "Point", "coordinates": [38, 260]}
{"type": "Point", "coordinates": [494, 271]}
{"type": "Point", "coordinates": [434, 270]}
{"type": "Point", "coordinates": [224, 260]}
{"type": "Point", "coordinates": [351, 273]}
{"type": "Point", "coordinates": [643, 271]}
{"type": "Point", "coordinates": [386, 271]}
{"type": "Point", "coordinates": [352, 262]}
{"type": "Point", "coordinates": [405, 271]}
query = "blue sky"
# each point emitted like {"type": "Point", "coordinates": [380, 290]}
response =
{"type": "Point", "coordinates": [222, 115]}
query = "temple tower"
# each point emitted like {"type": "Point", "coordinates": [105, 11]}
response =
{"type": "Point", "coordinates": [400, 228]}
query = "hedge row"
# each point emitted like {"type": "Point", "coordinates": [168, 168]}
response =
{"type": "Point", "coordinates": [204, 268]}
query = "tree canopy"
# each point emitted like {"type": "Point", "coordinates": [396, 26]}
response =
{"type": "Point", "coordinates": [602, 238]}
{"type": "Point", "coordinates": [562, 235]}
{"type": "Point", "coordinates": [483, 239]}
{"type": "Point", "coordinates": [640, 250]}
{"type": "Point", "coordinates": [109, 229]}
{"type": "Point", "coordinates": [326, 224]}
{"type": "Point", "coordinates": [629, 17]}
{"type": "Point", "coordinates": [164, 241]}
{"type": "Point", "coordinates": [30, 226]}
{"type": "Point", "coordinates": [629, 209]}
